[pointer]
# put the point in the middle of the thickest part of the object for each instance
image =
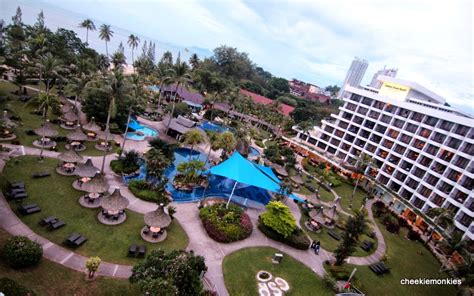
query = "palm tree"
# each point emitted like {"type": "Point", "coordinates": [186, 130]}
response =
{"type": "Point", "coordinates": [105, 34]}
{"type": "Point", "coordinates": [191, 170]}
{"type": "Point", "coordinates": [137, 91]}
{"type": "Point", "coordinates": [194, 61]}
{"type": "Point", "coordinates": [48, 68]}
{"type": "Point", "coordinates": [442, 217]}
{"type": "Point", "coordinates": [228, 142]}
{"type": "Point", "coordinates": [193, 137]}
{"type": "Point", "coordinates": [133, 42]}
{"type": "Point", "coordinates": [179, 75]}
{"type": "Point", "coordinates": [156, 163]}
{"type": "Point", "coordinates": [215, 143]}
{"type": "Point", "coordinates": [87, 24]}
{"type": "Point", "coordinates": [77, 86]}
{"type": "Point", "coordinates": [363, 161]}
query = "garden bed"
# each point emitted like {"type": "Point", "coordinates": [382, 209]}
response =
{"type": "Point", "coordinates": [226, 225]}
{"type": "Point", "coordinates": [143, 191]}
{"type": "Point", "coordinates": [298, 239]}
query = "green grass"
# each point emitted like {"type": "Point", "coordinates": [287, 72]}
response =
{"type": "Point", "coordinates": [324, 195]}
{"type": "Point", "coordinates": [406, 259]}
{"type": "Point", "coordinates": [241, 267]}
{"type": "Point", "coordinates": [49, 278]}
{"type": "Point", "coordinates": [61, 200]}
{"type": "Point", "coordinates": [345, 192]}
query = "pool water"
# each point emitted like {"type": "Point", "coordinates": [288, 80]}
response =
{"type": "Point", "coordinates": [144, 130]}
{"type": "Point", "coordinates": [253, 151]}
{"type": "Point", "coordinates": [218, 186]}
{"type": "Point", "coordinates": [213, 127]}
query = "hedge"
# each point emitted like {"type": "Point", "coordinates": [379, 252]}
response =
{"type": "Point", "coordinates": [20, 251]}
{"type": "Point", "coordinates": [142, 191]}
{"type": "Point", "coordinates": [297, 239]}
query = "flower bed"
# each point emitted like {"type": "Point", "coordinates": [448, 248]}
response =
{"type": "Point", "coordinates": [226, 225]}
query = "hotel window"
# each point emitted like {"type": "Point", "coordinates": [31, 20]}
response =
{"type": "Point", "coordinates": [424, 191]}
{"type": "Point", "coordinates": [454, 143]}
{"type": "Point", "coordinates": [417, 117]}
{"type": "Point", "coordinates": [453, 175]}
{"type": "Point", "coordinates": [335, 142]}
{"type": "Point", "coordinates": [379, 105]}
{"type": "Point", "coordinates": [429, 120]}
{"type": "Point", "coordinates": [400, 149]}
{"type": "Point", "coordinates": [362, 110]}
{"type": "Point", "coordinates": [439, 168]}
{"type": "Point", "coordinates": [393, 133]}
{"type": "Point", "coordinates": [468, 148]}
{"type": "Point", "coordinates": [387, 144]}
{"type": "Point", "coordinates": [418, 203]}
{"type": "Point", "coordinates": [446, 155]}
{"type": "Point", "coordinates": [446, 125]}
{"type": "Point", "coordinates": [380, 129]}
{"type": "Point", "coordinates": [329, 129]}
{"type": "Point", "coordinates": [358, 119]}
{"type": "Point", "coordinates": [452, 207]}
{"type": "Point", "coordinates": [390, 108]}
{"type": "Point", "coordinates": [461, 130]}
{"type": "Point", "coordinates": [360, 143]}
{"type": "Point", "coordinates": [467, 183]}
{"type": "Point", "coordinates": [371, 148]}
{"type": "Point", "coordinates": [364, 134]}
{"type": "Point", "coordinates": [383, 154]}
{"type": "Point", "coordinates": [437, 200]}
{"type": "Point", "coordinates": [419, 144]}
{"type": "Point", "coordinates": [400, 177]}
{"type": "Point", "coordinates": [351, 106]}
{"type": "Point", "coordinates": [369, 124]}
{"type": "Point", "coordinates": [339, 133]}
{"type": "Point", "coordinates": [322, 145]}
{"type": "Point", "coordinates": [374, 114]}
{"type": "Point", "coordinates": [394, 159]}
{"type": "Point", "coordinates": [347, 115]}
{"type": "Point", "coordinates": [325, 137]}
{"type": "Point", "coordinates": [383, 179]}
{"type": "Point", "coordinates": [405, 139]}
{"type": "Point", "coordinates": [412, 127]}
{"type": "Point", "coordinates": [412, 155]}
{"type": "Point", "coordinates": [425, 133]}
{"type": "Point", "coordinates": [419, 172]}
{"type": "Point", "coordinates": [460, 196]}
{"type": "Point", "coordinates": [343, 125]}
{"type": "Point", "coordinates": [355, 97]}
{"type": "Point", "coordinates": [331, 150]}
{"type": "Point", "coordinates": [349, 138]}
{"type": "Point", "coordinates": [403, 113]}
{"type": "Point", "coordinates": [465, 220]}
{"type": "Point", "coordinates": [398, 123]}
{"type": "Point", "coordinates": [439, 137]}
{"type": "Point", "coordinates": [461, 162]}
{"type": "Point", "coordinates": [426, 161]}
{"type": "Point", "coordinates": [375, 138]}
{"type": "Point", "coordinates": [367, 101]}
{"type": "Point", "coordinates": [355, 151]}
{"type": "Point", "coordinates": [386, 118]}
{"type": "Point", "coordinates": [406, 194]}
{"type": "Point", "coordinates": [432, 149]}
{"type": "Point", "coordinates": [395, 186]}
{"type": "Point", "coordinates": [353, 129]}
{"type": "Point", "coordinates": [432, 180]}
{"type": "Point", "coordinates": [312, 141]}
{"type": "Point", "coordinates": [341, 155]}
{"type": "Point", "coordinates": [445, 187]}
{"type": "Point", "coordinates": [412, 183]}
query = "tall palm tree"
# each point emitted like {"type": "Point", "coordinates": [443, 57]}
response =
{"type": "Point", "coordinates": [179, 75]}
{"type": "Point", "coordinates": [48, 68]}
{"type": "Point", "coordinates": [193, 137]}
{"type": "Point", "coordinates": [194, 61]}
{"type": "Point", "coordinates": [133, 42]}
{"type": "Point", "coordinates": [105, 33]}
{"type": "Point", "coordinates": [136, 83]}
{"type": "Point", "coordinates": [442, 217]}
{"type": "Point", "coordinates": [363, 161]}
{"type": "Point", "coordinates": [87, 24]}
{"type": "Point", "coordinates": [215, 143]}
{"type": "Point", "coordinates": [77, 85]}
{"type": "Point", "coordinates": [156, 163]}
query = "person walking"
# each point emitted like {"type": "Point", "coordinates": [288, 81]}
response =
{"type": "Point", "coordinates": [313, 245]}
{"type": "Point", "coordinates": [317, 247]}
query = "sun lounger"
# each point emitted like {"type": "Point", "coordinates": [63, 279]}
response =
{"type": "Point", "coordinates": [19, 196]}
{"type": "Point", "coordinates": [366, 245]}
{"type": "Point", "coordinates": [47, 220]}
{"type": "Point", "coordinates": [70, 240]}
{"type": "Point", "coordinates": [41, 175]}
{"type": "Point", "coordinates": [15, 191]}
{"type": "Point", "coordinates": [56, 225]}
{"type": "Point", "coordinates": [334, 235]}
{"type": "Point", "coordinates": [132, 251]}
{"type": "Point", "coordinates": [141, 251]}
{"type": "Point", "coordinates": [30, 211]}
{"type": "Point", "coordinates": [379, 268]}
{"type": "Point", "coordinates": [80, 241]}
{"type": "Point", "coordinates": [17, 185]}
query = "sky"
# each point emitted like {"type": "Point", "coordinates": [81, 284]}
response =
{"type": "Point", "coordinates": [429, 41]}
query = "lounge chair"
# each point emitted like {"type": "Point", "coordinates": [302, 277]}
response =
{"type": "Point", "coordinates": [16, 191]}
{"type": "Point", "coordinates": [56, 225]}
{"type": "Point", "coordinates": [70, 239]}
{"type": "Point", "coordinates": [17, 185]}
{"type": "Point", "coordinates": [80, 241]}
{"type": "Point", "coordinates": [132, 250]}
{"type": "Point", "coordinates": [41, 175]}
{"type": "Point", "coordinates": [47, 220]}
{"type": "Point", "coordinates": [366, 245]}
{"type": "Point", "coordinates": [30, 211]}
{"type": "Point", "coordinates": [141, 251]}
{"type": "Point", "coordinates": [334, 235]}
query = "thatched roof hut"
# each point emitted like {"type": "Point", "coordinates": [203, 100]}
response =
{"type": "Point", "coordinates": [47, 130]}
{"type": "Point", "coordinates": [70, 116]}
{"type": "Point", "coordinates": [92, 126]}
{"type": "Point", "coordinates": [76, 135]}
{"type": "Point", "coordinates": [297, 179]}
{"type": "Point", "coordinates": [158, 218]}
{"type": "Point", "coordinates": [114, 202]}
{"type": "Point", "coordinates": [70, 156]}
{"type": "Point", "coordinates": [280, 170]}
{"type": "Point", "coordinates": [98, 184]}
{"type": "Point", "coordinates": [67, 107]}
{"type": "Point", "coordinates": [103, 134]}
{"type": "Point", "coordinates": [86, 170]}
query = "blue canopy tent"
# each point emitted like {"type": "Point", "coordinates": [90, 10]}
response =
{"type": "Point", "coordinates": [241, 170]}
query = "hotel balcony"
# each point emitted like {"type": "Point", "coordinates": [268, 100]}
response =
{"type": "Point", "coordinates": [353, 129]}
{"type": "Point", "coordinates": [412, 127]}
{"type": "Point", "coordinates": [388, 169]}
{"type": "Point", "coordinates": [461, 130]}
{"type": "Point", "coordinates": [439, 138]}
{"type": "Point", "coordinates": [393, 133]}
{"type": "Point", "coordinates": [454, 143]}
{"type": "Point", "coordinates": [437, 200]}
{"type": "Point", "coordinates": [412, 184]}
{"type": "Point", "coordinates": [425, 161]}
{"type": "Point", "coordinates": [376, 139]}
{"type": "Point", "coordinates": [400, 177]}
{"type": "Point", "coordinates": [432, 180]}
{"type": "Point", "coordinates": [347, 116]}
{"type": "Point", "coordinates": [438, 168]}
{"type": "Point", "coordinates": [387, 144]}
{"type": "Point", "coordinates": [358, 119]}
{"type": "Point", "coordinates": [418, 117]}
{"type": "Point", "coordinates": [412, 155]}
{"type": "Point", "coordinates": [454, 175]}
{"type": "Point", "coordinates": [374, 115]}
{"type": "Point", "coordinates": [406, 166]}
{"type": "Point", "coordinates": [386, 119]}
{"type": "Point", "coordinates": [351, 107]}
{"type": "Point", "coordinates": [403, 113]}
{"type": "Point", "coordinates": [394, 160]}
{"type": "Point", "coordinates": [468, 148]}
{"type": "Point", "coordinates": [459, 196]}
{"type": "Point", "coordinates": [380, 129]}
{"type": "Point", "coordinates": [433, 150]}
{"type": "Point", "coordinates": [400, 149]}
{"type": "Point", "coordinates": [420, 173]}
{"type": "Point", "coordinates": [445, 187]}
{"type": "Point", "coordinates": [406, 194]}
{"type": "Point", "coordinates": [431, 121]}
{"type": "Point", "coordinates": [464, 219]}
{"type": "Point", "coordinates": [425, 192]}
{"type": "Point", "coordinates": [461, 162]}
{"type": "Point", "coordinates": [418, 144]}
{"type": "Point", "coordinates": [446, 125]}
{"type": "Point", "coordinates": [383, 154]}
{"type": "Point", "coordinates": [467, 183]}
{"type": "Point", "coordinates": [399, 123]}
{"type": "Point", "coordinates": [379, 105]}
{"type": "Point", "coordinates": [424, 132]}
{"type": "Point", "coordinates": [446, 155]}
{"type": "Point", "coordinates": [369, 124]}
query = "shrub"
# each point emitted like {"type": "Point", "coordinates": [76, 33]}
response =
{"type": "Point", "coordinates": [413, 235]}
{"type": "Point", "coordinates": [393, 227]}
{"type": "Point", "coordinates": [12, 288]}
{"type": "Point", "coordinates": [142, 190]}
{"type": "Point", "coordinates": [339, 273]}
{"type": "Point", "coordinates": [297, 239]}
{"type": "Point", "coordinates": [259, 144]}
{"type": "Point", "coordinates": [226, 225]}
{"type": "Point", "coordinates": [402, 222]}
{"type": "Point", "coordinates": [20, 252]}
{"type": "Point", "coordinates": [278, 217]}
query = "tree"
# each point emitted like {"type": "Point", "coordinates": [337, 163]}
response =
{"type": "Point", "coordinates": [92, 265]}
{"type": "Point", "coordinates": [89, 25]}
{"type": "Point", "coordinates": [48, 68]}
{"type": "Point", "coordinates": [105, 33]}
{"type": "Point", "coordinates": [193, 137]}
{"type": "Point", "coordinates": [345, 248]}
{"type": "Point", "coordinates": [442, 217]}
{"type": "Point", "coordinates": [118, 57]}
{"type": "Point", "coordinates": [357, 224]}
{"type": "Point", "coordinates": [15, 48]}
{"type": "Point", "coordinates": [133, 42]}
{"type": "Point", "coordinates": [215, 143]}
{"type": "Point", "coordinates": [177, 268]}
{"type": "Point", "coordinates": [194, 61]}
{"type": "Point", "coordinates": [363, 161]}
{"type": "Point", "coordinates": [77, 86]}
{"type": "Point", "coordinates": [20, 252]}
{"type": "Point", "coordinates": [279, 218]}
{"type": "Point", "coordinates": [191, 170]}
{"type": "Point", "coordinates": [179, 75]}
{"type": "Point", "coordinates": [286, 189]}
{"type": "Point", "coordinates": [166, 148]}
{"type": "Point", "coordinates": [156, 163]}
{"type": "Point", "coordinates": [280, 84]}
{"type": "Point", "coordinates": [180, 108]}
{"type": "Point", "coordinates": [228, 142]}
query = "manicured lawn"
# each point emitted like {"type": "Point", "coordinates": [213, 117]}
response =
{"type": "Point", "coordinates": [56, 197]}
{"type": "Point", "coordinates": [345, 192]}
{"type": "Point", "coordinates": [241, 267]}
{"type": "Point", "coordinates": [324, 195]}
{"type": "Point", "coordinates": [406, 259]}
{"type": "Point", "coordinates": [49, 278]}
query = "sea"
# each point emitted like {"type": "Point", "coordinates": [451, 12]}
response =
{"type": "Point", "coordinates": [56, 17]}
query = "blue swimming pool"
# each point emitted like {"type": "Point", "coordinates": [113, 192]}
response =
{"type": "Point", "coordinates": [140, 131]}
{"type": "Point", "coordinates": [253, 152]}
{"type": "Point", "coordinates": [213, 127]}
{"type": "Point", "coordinates": [218, 186]}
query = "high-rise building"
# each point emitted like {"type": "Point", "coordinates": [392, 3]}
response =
{"type": "Point", "coordinates": [423, 150]}
{"type": "Point", "coordinates": [355, 74]}
{"type": "Point", "coordinates": [375, 83]}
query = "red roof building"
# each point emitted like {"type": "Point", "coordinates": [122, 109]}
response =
{"type": "Point", "coordinates": [285, 109]}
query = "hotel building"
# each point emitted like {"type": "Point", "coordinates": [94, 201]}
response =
{"type": "Point", "coordinates": [422, 148]}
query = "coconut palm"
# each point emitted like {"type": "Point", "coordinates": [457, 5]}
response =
{"type": "Point", "coordinates": [363, 161]}
{"type": "Point", "coordinates": [179, 75]}
{"type": "Point", "coordinates": [133, 42]}
{"type": "Point", "coordinates": [215, 143]}
{"type": "Point", "coordinates": [87, 24]}
{"type": "Point", "coordinates": [49, 69]}
{"type": "Point", "coordinates": [156, 163]}
{"type": "Point", "coordinates": [194, 61]}
{"type": "Point", "coordinates": [442, 216]}
{"type": "Point", "coordinates": [193, 137]}
{"type": "Point", "coordinates": [228, 142]}
{"type": "Point", "coordinates": [191, 170]}
{"type": "Point", "coordinates": [77, 85]}
{"type": "Point", "coordinates": [105, 33]}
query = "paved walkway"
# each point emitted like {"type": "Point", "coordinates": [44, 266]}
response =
{"type": "Point", "coordinates": [188, 216]}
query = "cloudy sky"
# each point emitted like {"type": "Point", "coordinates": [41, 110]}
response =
{"type": "Point", "coordinates": [429, 41]}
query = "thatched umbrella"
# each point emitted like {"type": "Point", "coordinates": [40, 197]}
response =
{"type": "Point", "coordinates": [158, 218]}
{"type": "Point", "coordinates": [297, 179]}
{"type": "Point", "coordinates": [47, 130]}
{"type": "Point", "coordinates": [7, 121]}
{"type": "Point", "coordinates": [98, 184]}
{"type": "Point", "coordinates": [70, 116]}
{"type": "Point", "coordinates": [70, 156]}
{"type": "Point", "coordinates": [67, 107]}
{"type": "Point", "coordinates": [86, 170]}
{"type": "Point", "coordinates": [114, 202]}
{"type": "Point", "coordinates": [92, 126]}
{"type": "Point", "coordinates": [77, 135]}
{"type": "Point", "coordinates": [280, 170]}
{"type": "Point", "coordinates": [103, 134]}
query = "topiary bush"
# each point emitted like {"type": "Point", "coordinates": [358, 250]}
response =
{"type": "Point", "coordinates": [297, 239]}
{"type": "Point", "coordinates": [225, 225]}
{"type": "Point", "coordinates": [10, 287]}
{"type": "Point", "coordinates": [278, 217]}
{"type": "Point", "coordinates": [20, 252]}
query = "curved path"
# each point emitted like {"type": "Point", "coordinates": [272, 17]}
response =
{"type": "Point", "coordinates": [188, 216]}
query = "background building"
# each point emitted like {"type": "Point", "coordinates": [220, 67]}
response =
{"type": "Point", "coordinates": [309, 91]}
{"type": "Point", "coordinates": [423, 150]}
{"type": "Point", "coordinates": [355, 74]}
{"type": "Point", "coordinates": [375, 83]}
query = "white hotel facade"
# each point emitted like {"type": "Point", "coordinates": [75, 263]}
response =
{"type": "Point", "coordinates": [423, 149]}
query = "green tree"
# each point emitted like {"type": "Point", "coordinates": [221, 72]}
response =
{"type": "Point", "coordinates": [345, 248]}
{"type": "Point", "coordinates": [215, 143]}
{"type": "Point", "coordinates": [279, 218]}
{"type": "Point", "coordinates": [133, 42]}
{"type": "Point", "coordinates": [166, 148]}
{"type": "Point", "coordinates": [357, 224]}
{"type": "Point", "coordinates": [191, 170]}
{"type": "Point", "coordinates": [194, 61]}
{"type": "Point", "coordinates": [442, 217]}
{"type": "Point", "coordinates": [16, 48]}
{"type": "Point", "coordinates": [89, 25]}
{"type": "Point", "coordinates": [363, 161]}
{"type": "Point", "coordinates": [228, 142]}
{"type": "Point", "coordinates": [178, 268]}
{"type": "Point", "coordinates": [77, 85]}
{"type": "Point", "coordinates": [49, 69]}
{"type": "Point", "coordinates": [105, 33]}
{"type": "Point", "coordinates": [193, 137]}
{"type": "Point", "coordinates": [280, 84]}
{"type": "Point", "coordinates": [92, 265]}
{"type": "Point", "coordinates": [156, 163]}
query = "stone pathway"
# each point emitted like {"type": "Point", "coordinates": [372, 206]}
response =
{"type": "Point", "coordinates": [187, 215]}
